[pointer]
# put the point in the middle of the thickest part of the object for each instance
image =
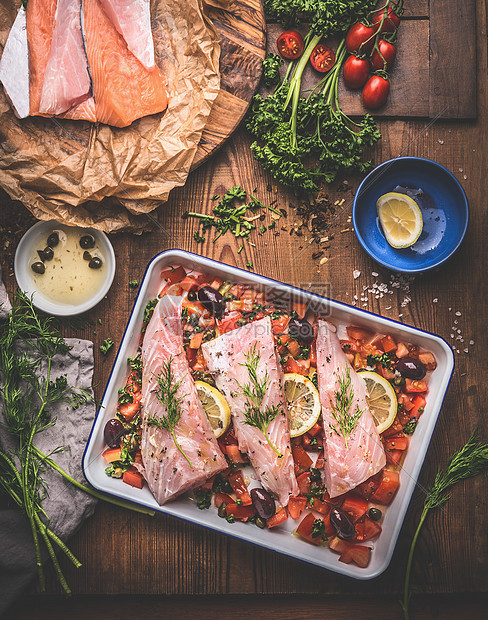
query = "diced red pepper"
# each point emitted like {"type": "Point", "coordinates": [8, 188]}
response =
{"type": "Point", "coordinates": [239, 487]}
{"type": "Point", "coordinates": [189, 284]}
{"type": "Point", "coordinates": [112, 454]}
{"type": "Point", "coordinates": [280, 517]}
{"type": "Point", "coordinates": [296, 505]}
{"type": "Point", "coordinates": [388, 344]}
{"type": "Point", "coordinates": [414, 385]}
{"type": "Point", "coordinates": [320, 463]}
{"type": "Point", "coordinates": [406, 401]}
{"type": "Point", "coordinates": [133, 477]}
{"type": "Point", "coordinates": [355, 506]}
{"type": "Point", "coordinates": [292, 365]}
{"type": "Point", "coordinates": [357, 554]}
{"type": "Point", "coordinates": [388, 485]}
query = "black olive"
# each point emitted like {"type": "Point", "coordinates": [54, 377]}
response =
{"type": "Point", "coordinates": [342, 523]}
{"type": "Point", "coordinates": [263, 502]}
{"type": "Point", "coordinates": [95, 263]}
{"type": "Point", "coordinates": [301, 330]}
{"type": "Point", "coordinates": [87, 255]}
{"type": "Point", "coordinates": [48, 253]}
{"type": "Point", "coordinates": [192, 296]}
{"type": "Point", "coordinates": [411, 368]}
{"type": "Point", "coordinates": [112, 432]}
{"type": "Point", "coordinates": [38, 267]}
{"type": "Point", "coordinates": [40, 253]}
{"type": "Point", "coordinates": [87, 242]}
{"type": "Point", "coordinates": [212, 300]}
{"type": "Point", "coordinates": [375, 514]}
{"type": "Point", "coordinates": [53, 240]}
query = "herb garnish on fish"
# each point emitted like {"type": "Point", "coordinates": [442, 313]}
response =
{"type": "Point", "coordinates": [166, 394]}
{"type": "Point", "coordinates": [341, 408]}
{"type": "Point", "coordinates": [255, 392]}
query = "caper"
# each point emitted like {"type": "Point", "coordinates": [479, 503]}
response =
{"type": "Point", "coordinates": [192, 296]}
{"type": "Point", "coordinates": [375, 514]}
{"type": "Point", "coordinates": [95, 263]}
{"type": "Point", "coordinates": [117, 472]}
{"type": "Point", "coordinates": [48, 253]}
{"type": "Point", "coordinates": [87, 255]}
{"type": "Point", "coordinates": [38, 267]}
{"type": "Point", "coordinates": [261, 523]}
{"type": "Point", "coordinates": [87, 242]}
{"type": "Point", "coordinates": [222, 512]}
{"type": "Point", "coordinates": [53, 240]}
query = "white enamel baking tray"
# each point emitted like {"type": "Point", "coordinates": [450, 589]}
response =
{"type": "Point", "coordinates": [279, 538]}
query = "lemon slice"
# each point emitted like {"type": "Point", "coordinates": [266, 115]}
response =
{"type": "Point", "coordinates": [215, 406]}
{"type": "Point", "coordinates": [401, 219]}
{"type": "Point", "coordinates": [381, 398]}
{"type": "Point", "coordinates": [303, 403]}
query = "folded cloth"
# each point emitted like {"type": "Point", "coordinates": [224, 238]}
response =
{"type": "Point", "coordinates": [66, 506]}
{"type": "Point", "coordinates": [5, 305]}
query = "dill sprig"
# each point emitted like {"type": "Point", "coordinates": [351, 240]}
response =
{"type": "Point", "coordinates": [255, 392]}
{"type": "Point", "coordinates": [166, 394]}
{"type": "Point", "coordinates": [341, 407]}
{"type": "Point", "coordinates": [467, 462]}
{"type": "Point", "coordinates": [27, 392]}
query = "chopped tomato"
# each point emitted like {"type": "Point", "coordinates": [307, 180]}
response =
{"type": "Point", "coordinates": [133, 477]}
{"type": "Point", "coordinates": [329, 528]}
{"type": "Point", "coordinates": [245, 305]}
{"type": "Point", "coordinates": [414, 385]}
{"type": "Point", "coordinates": [320, 506]}
{"type": "Point", "coordinates": [355, 506]}
{"type": "Point", "coordinates": [300, 309]}
{"type": "Point", "coordinates": [293, 366]}
{"type": "Point", "coordinates": [301, 458]}
{"type": "Point", "coordinates": [305, 529]}
{"type": "Point", "coordinates": [428, 360]}
{"type": "Point", "coordinates": [303, 481]}
{"type": "Point", "coordinates": [130, 410]}
{"type": "Point", "coordinates": [338, 545]}
{"type": "Point", "coordinates": [241, 513]}
{"type": "Point", "coordinates": [315, 430]}
{"type": "Point", "coordinates": [196, 340]}
{"type": "Point", "coordinates": [293, 348]}
{"type": "Point", "coordinates": [401, 351]}
{"type": "Point", "coordinates": [388, 344]}
{"type": "Point", "coordinates": [172, 274]}
{"type": "Point", "coordinates": [223, 498]}
{"type": "Point", "coordinates": [239, 487]}
{"type": "Point", "coordinates": [304, 367]}
{"type": "Point", "coordinates": [396, 443]}
{"type": "Point", "coordinates": [384, 372]}
{"type": "Point", "coordinates": [418, 406]}
{"type": "Point", "coordinates": [388, 485]}
{"type": "Point", "coordinates": [394, 457]}
{"type": "Point", "coordinates": [320, 463]}
{"type": "Point", "coordinates": [189, 283]}
{"type": "Point", "coordinates": [111, 455]}
{"type": "Point", "coordinates": [350, 346]}
{"type": "Point", "coordinates": [280, 517]}
{"type": "Point", "coordinates": [279, 324]}
{"type": "Point", "coordinates": [367, 488]}
{"type": "Point", "coordinates": [356, 554]}
{"type": "Point", "coordinates": [229, 323]}
{"type": "Point", "coordinates": [313, 355]}
{"type": "Point", "coordinates": [216, 284]}
{"type": "Point", "coordinates": [359, 333]}
{"type": "Point", "coordinates": [296, 505]}
{"type": "Point", "coordinates": [372, 529]}
{"type": "Point", "coordinates": [406, 401]}
{"type": "Point", "coordinates": [234, 454]}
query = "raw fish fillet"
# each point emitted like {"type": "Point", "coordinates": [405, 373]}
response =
{"type": "Point", "coordinates": [226, 359]}
{"type": "Point", "coordinates": [166, 470]}
{"type": "Point", "coordinates": [40, 28]}
{"type": "Point", "coordinates": [84, 111]}
{"type": "Point", "coordinates": [14, 66]}
{"type": "Point", "coordinates": [66, 78]}
{"type": "Point", "coordinates": [133, 22]}
{"type": "Point", "coordinates": [123, 88]}
{"type": "Point", "coordinates": [346, 465]}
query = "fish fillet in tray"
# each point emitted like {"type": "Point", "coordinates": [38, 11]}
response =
{"type": "Point", "coordinates": [279, 538]}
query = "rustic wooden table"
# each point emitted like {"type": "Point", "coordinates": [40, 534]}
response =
{"type": "Point", "coordinates": [135, 566]}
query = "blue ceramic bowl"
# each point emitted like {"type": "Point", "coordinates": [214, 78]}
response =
{"type": "Point", "coordinates": [442, 201]}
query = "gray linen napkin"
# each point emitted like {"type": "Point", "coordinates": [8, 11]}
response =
{"type": "Point", "coordinates": [5, 304]}
{"type": "Point", "coordinates": [66, 506]}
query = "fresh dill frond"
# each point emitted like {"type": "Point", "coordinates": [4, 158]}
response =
{"type": "Point", "coordinates": [341, 406]}
{"type": "Point", "coordinates": [255, 392]}
{"type": "Point", "coordinates": [167, 396]}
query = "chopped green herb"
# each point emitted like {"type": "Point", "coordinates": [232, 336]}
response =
{"type": "Point", "coordinates": [249, 265]}
{"type": "Point", "coordinates": [384, 359]}
{"type": "Point", "coordinates": [99, 321]}
{"type": "Point", "coordinates": [409, 429]}
{"type": "Point", "coordinates": [198, 238]}
{"type": "Point", "coordinates": [318, 529]}
{"type": "Point", "coordinates": [240, 249]}
{"type": "Point", "coordinates": [271, 69]}
{"type": "Point", "coordinates": [133, 283]}
{"type": "Point", "coordinates": [106, 345]}
{"type": "Point", "coordinates": [203, 498]}
{"type": "Point", "coordinates": [262, 229]}
{"type": "Point", "coordinates": [148, 310]}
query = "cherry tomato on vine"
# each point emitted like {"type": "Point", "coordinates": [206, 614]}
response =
{"type": "Point", "coordinates": [388, 51]}
{"type": "Point", "coordinates": [356, 72]}
{"type": "Point", "coordinates": [322, 58]}
{"type": "Point", "coordinates": [290, 44]}
{"type": "Point", "coordinates": [375, 92]}
{"type": "Point", "coordinates": [391, 23]}
{"type": "Point", "coordinates": [359, 38]}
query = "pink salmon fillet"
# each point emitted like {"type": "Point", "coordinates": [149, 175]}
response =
{"type": "Point", "coordinates": [226, 359]}
{"type": "Point", "coordinates": [347, 464]}
{"type": "Point", "coordinates": [66, 79]}
{"type": "Point", "coordinates": [166, 470]}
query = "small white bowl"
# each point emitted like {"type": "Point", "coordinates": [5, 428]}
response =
{"type": "Point", "coordinates": [35, 238]}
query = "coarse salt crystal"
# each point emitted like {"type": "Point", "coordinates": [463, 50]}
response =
{"type": "Point", "coordinates": [356, 273]}
{"type": "Point", "coordinates": [458, 314]}
{"type": "Point", "coordinates": [374, 274]}
{"type": "Point", "coordinates": [466, 350]}
{"type": "Point", "coordinates": [440, 141]}
{"type": "Point", "coordinates": [471, 342]}
{"type": "Point", "coordinates": [435, 300]}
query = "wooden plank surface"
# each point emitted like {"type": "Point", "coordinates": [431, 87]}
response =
{"type": "Point", "coordinates": [125, 553]}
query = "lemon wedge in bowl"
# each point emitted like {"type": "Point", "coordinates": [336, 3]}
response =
{"type": "Point", "coordinates": [400, 218]}
{"type": "Point", "coordinates": [215, 406]}
{"type": "Point", "coordinates": [303, 402]}
{"type": "Point", "coordinates": [381, 399]}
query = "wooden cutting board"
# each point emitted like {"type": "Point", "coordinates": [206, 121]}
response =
{"type": "Point", "coordinates": [434, 75]}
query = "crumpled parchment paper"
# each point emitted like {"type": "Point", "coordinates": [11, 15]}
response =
{"type": "Point", "coordinates": [65, 170]}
